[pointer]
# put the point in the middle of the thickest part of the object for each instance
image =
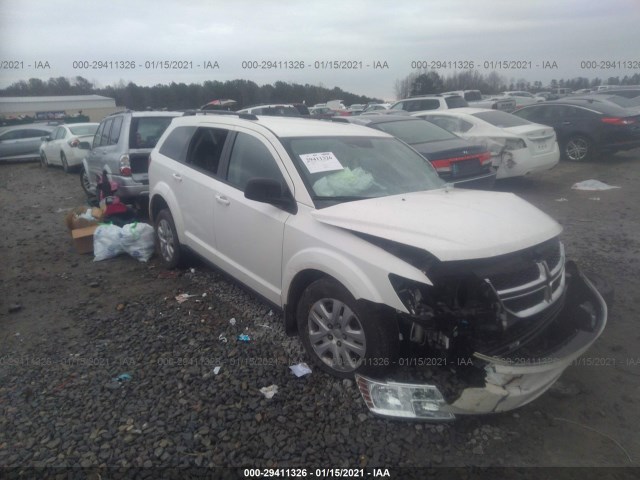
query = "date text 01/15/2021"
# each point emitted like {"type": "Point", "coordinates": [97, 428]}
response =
{"type": "Point", "coordinates": [320, 473]}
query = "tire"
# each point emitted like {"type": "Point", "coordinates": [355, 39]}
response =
{"type": "Point", "coordinates": [85, 183]}
{"type": "Point", "coordinates": [578, 148]}
{"type": "Point", "coordinates": [167, 241]}
{"type": "Point", "coordinates": [341, 336]}
{"type": "Point", "coordinates": [43, 160]}
{"type": "Point", "coordinates": [65, 164]}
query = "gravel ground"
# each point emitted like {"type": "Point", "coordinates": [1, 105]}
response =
{"type": "Point", "coordinates": [102, 366]}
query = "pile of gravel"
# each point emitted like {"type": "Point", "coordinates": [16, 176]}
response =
{"type": "Point", "coordinates": [139, 387]}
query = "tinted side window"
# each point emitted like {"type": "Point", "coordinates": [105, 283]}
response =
{"type": "Point", "coordinates": [146, 131]}
{"type": "Point", "coordinates": [104, 138]}
{"type": "Point", "coordinates": [205, 149]}
{"type": "Point", "coordinates": [250, 158]}
{"type": "Point", "coordinates": [14, 135]}
{"type": "Point", "coordinates": [456, 102]}
{"type": "Point", "coordinates": [418, 105]}
{"type": "Point", "coordinates": [98, 135]}
{"type": "Point", "coordinates": [176, 143]}
{"type": "Point", "coordinates": [115, 131]}
{"type": "Point", "coordinates": [532, 113]}
{"type": "Point", "coordinates": [31, 133]}
{"type": "Point", "coordinates": [577, 112]}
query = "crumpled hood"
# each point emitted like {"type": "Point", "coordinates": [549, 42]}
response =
{"type": "Point", "coordinates": [452, 224]}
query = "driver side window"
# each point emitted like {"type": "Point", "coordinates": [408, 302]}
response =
{"type": "Point", "coordinates": [250, 158]}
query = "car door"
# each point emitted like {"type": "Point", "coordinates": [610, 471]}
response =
{"type": "Point", "coordinates": [101, 150]}
{"type": "Point", "coordinates": [53, 147]}
{"type": "Point", "coordinates": [249, 234]}
{"type": "Point", "coordinates": [10, 143]}
{"type": "Point", "coordinates": [195, 184]}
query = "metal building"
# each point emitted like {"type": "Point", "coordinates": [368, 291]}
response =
{"type": "Point", "coordinates": [55, 107]}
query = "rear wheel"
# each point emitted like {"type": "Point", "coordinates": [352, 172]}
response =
{"type": "Point", "coordinates": [578, 148]}
{"type": "Point", "coordinates": [84, 181]}
{"type": "Point", "coordinates": [167, 240]}
{"type": "Point", "coordinates": [341, 335]}
{"type": "Point", "coordinates": [65, 164]}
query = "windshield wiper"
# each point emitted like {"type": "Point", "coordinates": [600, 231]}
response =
{"type": "Point", "coordinates": [339, 198]}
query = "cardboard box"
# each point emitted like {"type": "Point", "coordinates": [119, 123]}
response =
{"type": "Point", "coordinates": [83, 238]}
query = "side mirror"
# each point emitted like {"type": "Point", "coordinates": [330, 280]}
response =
{"type": "Point", "coordinates": [84, 146]}
{"type": "Point", "coordinates": [273, 192]}
{"type": "Point", "coordinates": [46, 139]}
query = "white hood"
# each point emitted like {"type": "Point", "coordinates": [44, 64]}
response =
{"type": "Point", "coordinates": [452, 225]}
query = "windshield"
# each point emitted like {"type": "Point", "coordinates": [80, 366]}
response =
{"type": "Point", "coordinates": [339, 169]}
{"type": "Point", "coordinates": [84, 129]}
{"type": "Point", "coordinates": [415, 131]}
{"type": "Point", "coordinates": [501, 119]}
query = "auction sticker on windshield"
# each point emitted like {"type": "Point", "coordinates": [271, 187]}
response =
{"type": "Point", "coordinates": [321, 162]}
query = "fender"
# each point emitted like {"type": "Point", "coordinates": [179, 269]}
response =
{"type": "Point", "coordinates": [369, 282]}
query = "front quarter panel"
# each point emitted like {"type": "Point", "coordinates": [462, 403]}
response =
{"type": "Point", "coordinates": [360, 266]}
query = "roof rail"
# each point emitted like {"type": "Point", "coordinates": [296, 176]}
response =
{"type": "Point", "coordinates": [245, 116]}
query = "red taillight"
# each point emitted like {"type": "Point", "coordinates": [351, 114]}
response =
{"type": "Point", "coordinates": [445, 165]}
{"type": "Point", "coordinates": [617, 120]}
{"type": "Point", "coordinates": [125, 166]}
{"type": "Point", "coordinates": [484, 157]}
{"type": "Point", "coordinates": [74, 142]}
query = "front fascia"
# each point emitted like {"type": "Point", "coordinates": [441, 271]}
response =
{"type": "Point", "coordinates": [360, 266]}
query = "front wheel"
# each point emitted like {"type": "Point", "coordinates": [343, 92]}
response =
{"type": "Point", "coordinates": [43, 160]}
{"type": "Point", "coordinates": [341, 335]}
{"type": "Point", "coordinates": [578, 148]}
{"type": "Point", "coordinates": [167, 240]}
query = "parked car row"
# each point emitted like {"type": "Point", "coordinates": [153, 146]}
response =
{"type": "Point", "coordinates": [365, 247]}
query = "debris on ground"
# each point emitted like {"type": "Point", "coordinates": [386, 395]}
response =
{"type": "Point", "coordinates": [183, 297]}
{"type": "Point", "coordinates": [592, 185]}
{"type": "Point", "coordinates": [269, 391]}
{"type": "Point", "coordinates": [300, 370]}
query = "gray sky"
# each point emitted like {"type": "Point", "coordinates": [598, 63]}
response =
{"type": "Point", "coordinates": [397, 32]}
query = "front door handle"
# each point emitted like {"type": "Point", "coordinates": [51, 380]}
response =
{"type": "Point", "coordinates": [176, 177]}
{"type": "Point", "coordinates": [222, 200]}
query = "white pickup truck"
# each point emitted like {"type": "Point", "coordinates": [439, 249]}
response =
{"type": "Point", "coordinates": [475, 99]}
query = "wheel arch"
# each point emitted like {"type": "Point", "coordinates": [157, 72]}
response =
{"type": "Point", "coordinates": [163, 198]}
{"type": "Point", "coordinates": [371, 285]}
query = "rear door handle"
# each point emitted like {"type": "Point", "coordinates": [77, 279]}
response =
{"type": "Point", "coordinates": [176, 177]}
{"type": "Point", "coordinates": [566, 123]}
{"type": "Point", "coordinates": [222, 200]}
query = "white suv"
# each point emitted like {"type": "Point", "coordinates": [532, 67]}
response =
{"type": "Point", "coordinates": [381, 268]}
{"type": "Point", "coordinates": [439, 101]}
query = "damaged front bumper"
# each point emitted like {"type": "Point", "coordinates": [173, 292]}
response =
{"type": "Point", "coordinates": [486, 384]}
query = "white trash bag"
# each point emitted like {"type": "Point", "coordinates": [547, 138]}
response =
{"type": "Point", "coordinates": [106, 242]}
{"type": "Point", "coordinates": [138, 240]}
